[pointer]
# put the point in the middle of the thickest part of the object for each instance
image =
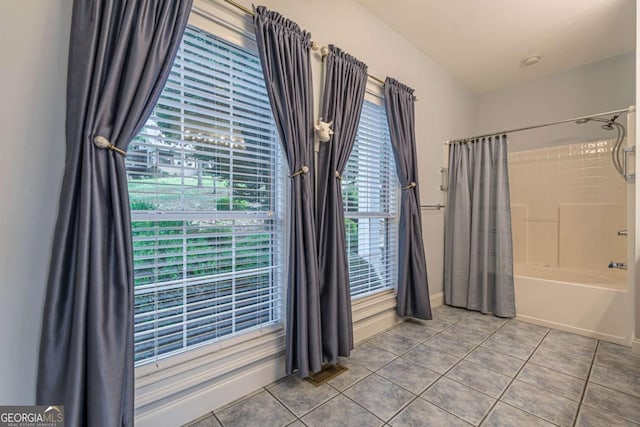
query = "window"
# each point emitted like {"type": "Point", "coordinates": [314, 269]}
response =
{"type": "Point", "coordinates": [369, 190]}
{"type": "Point", "coordinates": [206, 179]}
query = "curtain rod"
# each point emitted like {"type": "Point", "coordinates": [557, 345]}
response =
{"type": "Point", "coordinates": [314, 45]}
{"type": "Point", "coordinates": [624, 110]}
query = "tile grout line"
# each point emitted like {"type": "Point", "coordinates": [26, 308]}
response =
{"type": "Point", "coordinates": [456, 364]}
{"type": "Point", "coordinates": [291, 410]}
{"type": "Point", "coordinates": [386, 364]}
{"type": "Point", "coordinates": [498, 399]}
{"type": "Point", "coordinates": [383, 421]}
{"type": "Point", "coordinates": [417, 396]}
{"type": "Point", "coordinates": [446, 331]}
{"type": "Point", "coordinates": [216, 418]}
{"type": "Point", "coordinates": [453, 366]}
{"type": "Point", "coordinates": [397, 356]}
{"type": "Point", "coordinates": [418, 343]}
{"type": "Point", "coordinates": [586, 383]}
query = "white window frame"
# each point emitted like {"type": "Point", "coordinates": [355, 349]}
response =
{"type": "Point", "coordinates": [374, 94]}
{"type": "Point", "coordinates": [170, 376]}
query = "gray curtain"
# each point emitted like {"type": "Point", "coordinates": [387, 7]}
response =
{"type": "Point", "coordinates": [345, 82]}
{"type": "Point", "coordinates": [413, 287]}
{"type": "Point", "coordinates": [120, 55]}
{"type": "Point", "coordinates": [285, 58]}
{"type": "Point", "coordinates": [478, 254]}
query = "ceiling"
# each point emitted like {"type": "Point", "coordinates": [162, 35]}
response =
{"type": "Point", "coordinates": [482, 42]}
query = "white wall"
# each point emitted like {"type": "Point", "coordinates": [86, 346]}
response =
{"type": "Point", "coordinates": [34, 39]}
{"type": "Point", "coordinates": [597, 87]}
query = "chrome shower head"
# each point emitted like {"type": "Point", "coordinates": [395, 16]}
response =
{"type": "Point", "coordinates": [607, 126]}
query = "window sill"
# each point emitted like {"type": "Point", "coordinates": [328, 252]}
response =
{"type": "Point", "coordinates": [167, 379]}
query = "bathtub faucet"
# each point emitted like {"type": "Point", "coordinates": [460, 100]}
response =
{"type": "Point", "coordinates": [618, 265]}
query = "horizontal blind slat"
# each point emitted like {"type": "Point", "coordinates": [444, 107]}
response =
{"type": "Point", "coordinates": [205, 181]}
{"type": "Point", "coordinates": [369, 191]}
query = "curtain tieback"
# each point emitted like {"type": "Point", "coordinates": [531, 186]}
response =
{"type": "Point", "coordinates": [338, 176]}
{"type": "Point", "coordinates": [102, 142]}
{"type": "Point", "coordinates": [304, 169]}
{"type": "Point", "coordinates": [412, 185]}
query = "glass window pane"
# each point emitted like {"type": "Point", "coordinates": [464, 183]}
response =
{"type": "Point", "coordinates": [205, 179]}
{"type": "Point", "coordinates": [369, 190]}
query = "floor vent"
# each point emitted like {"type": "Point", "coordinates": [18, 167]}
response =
{"type": "Point", "coordinates": [327, 373]}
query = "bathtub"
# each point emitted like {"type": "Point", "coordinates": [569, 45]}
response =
{"type": "Point", "coordinates": [594, 304]}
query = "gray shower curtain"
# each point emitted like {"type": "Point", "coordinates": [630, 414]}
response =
{"type": "Point", "coordinates": [345, 82]}
{"type": "Point", "coordinates": [413, 288]}
{"type": "Point", "coordinates": [478, 257]}
{"type": "Point", "coordinates": [284, 54]}
{"type": "Point", "coordinates": [120, 55]}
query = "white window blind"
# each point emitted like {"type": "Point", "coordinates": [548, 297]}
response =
{"type": "Point", "coordinates": [369, 189]}
{"type": "Point", "coordinates": [205, 179]}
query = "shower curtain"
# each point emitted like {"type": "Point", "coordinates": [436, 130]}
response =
{"type": "Point", "coordinates": [478, 257]}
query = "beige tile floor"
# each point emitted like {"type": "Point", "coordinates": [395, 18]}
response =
{"type": "Point", "coordinates": [462, 368]}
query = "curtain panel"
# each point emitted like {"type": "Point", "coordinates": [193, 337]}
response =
{"type": "Point", "coordinates": [345, 83]}
{"type": "Point", "coordinates": [478, 257]}
{"type": "Point", "coordinates": [284, 53]}
{"type": "Point", "coordinates": [413, 287]}
{"type": "Point", "coordinates": [120, 56]}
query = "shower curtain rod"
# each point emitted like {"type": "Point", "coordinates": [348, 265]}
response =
{"type": "Point", "coordinates": [459, 140]}
{"type": "Point", "coordinates": [314, 45]}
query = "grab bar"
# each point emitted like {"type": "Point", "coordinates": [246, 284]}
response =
{"type": "Point", "coordinates": [438, 206]}
{"type": "Point", "coordinates": [618, 265]}
{"type": "Point", "coordinates": [629, 177]}
{"type": "Point", "coordinates": [444, 179]}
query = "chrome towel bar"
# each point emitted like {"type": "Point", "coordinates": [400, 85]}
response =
{"type": "Point", "coordinates": [437, 207]}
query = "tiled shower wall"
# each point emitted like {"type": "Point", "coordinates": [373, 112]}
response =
{"type": "Point", "coordinates": [567, 205]}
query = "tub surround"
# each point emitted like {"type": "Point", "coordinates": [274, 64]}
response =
{"type": "Point", "coordinates": [568, 204]}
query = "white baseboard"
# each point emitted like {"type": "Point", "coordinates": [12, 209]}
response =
{"type": "Point", "coordinates": [626, 341]}
{"type": "Point", "coordinates": [437, 299]}
{"type": "Point", "coordinates": [385, 315]}
{"type": "Point", "coordinates": [373, 315]}
{"type": "Point", "coordinates": [374, 325]}
{"type": "Point", "coordinates": [635, 346]}
{"type": "Point", "coordinates": [196, 404]}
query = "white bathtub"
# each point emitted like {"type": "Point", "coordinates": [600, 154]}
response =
{"type": "Point", "coordinates": [593, 304]}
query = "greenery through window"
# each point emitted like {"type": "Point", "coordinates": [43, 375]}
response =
{"type": "Point", "coordinates": [205, 181]}
{"type": "Point", "coordinates": [369, 190]}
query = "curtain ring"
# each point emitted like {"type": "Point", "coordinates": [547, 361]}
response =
{"type": "Point", "coordinates": [102, 142]}
{"type": "Point", "coordinates": [302, 170]}
{"type": "Point", "coordinates": [338, 176]}
{"type": "Point", "coordinates": [412, 185]}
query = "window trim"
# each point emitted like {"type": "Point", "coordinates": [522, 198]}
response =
{"type": "Point", "coordinates": [224, 23]}
{"type": "Point", "coordinates": [374, 93]}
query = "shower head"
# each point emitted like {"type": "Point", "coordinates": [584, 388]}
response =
{"type": "Point", "coordinates": [611, 122]}
{"type": "Point", "coordinates": [608, 123]}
